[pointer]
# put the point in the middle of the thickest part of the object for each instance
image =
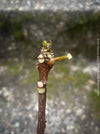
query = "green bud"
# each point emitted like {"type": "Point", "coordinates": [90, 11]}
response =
{"type": "Point", "coordinates": [44, 43]}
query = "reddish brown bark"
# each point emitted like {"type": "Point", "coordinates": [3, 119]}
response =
{"type": "Point", "coordinates": [41, 114]}
{"type": "Point", "coordinates": [46, 61]}
{"type": "Point", "coordinates": [44, 69]}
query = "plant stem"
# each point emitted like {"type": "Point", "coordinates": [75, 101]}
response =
{"type": "Point", "coordinates": [41, 114]}
{"type": "Point", "coordinates": [60, 58]}
{"type": "Point", "coordinates": [44, 69]}
{"type": "Point", "coordinates": [68, 56]}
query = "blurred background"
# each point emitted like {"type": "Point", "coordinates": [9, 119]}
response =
{"type": "Point", "coordinates": [73, 104]}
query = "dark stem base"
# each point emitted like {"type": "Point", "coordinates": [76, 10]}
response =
{"type": "Point", "coordinates": [41, 114]}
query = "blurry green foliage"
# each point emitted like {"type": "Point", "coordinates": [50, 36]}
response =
{"type": "Point", "coordinates": [14, 67]}
{"type": "Point", "coordinates": [85, 24]}
{"type": "Point", "coordinates": [14, 26]}
{"type": "Point", "coordinates": [94, 101]}
{"type": "Point", "coordinates": [62, 79]}
{"type": "Point", "coordinates": [61, 74]}
{"type": "Point", "coordinates": [5, 24]}
{"type": "Point", "coordinates": [19, 36]}
{"type": "Point", "coordinates": [79, 34]}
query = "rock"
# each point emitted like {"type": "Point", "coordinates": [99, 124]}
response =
{"type": "Point", "coordinates": [50, 5]}
{"type": "Point", "coordinates": [5, 91]}
{"type": "Point", "coordinates": [83, 117]}
{"type": "Point", "coordinates": [96, 128]}
{"type": "Point", "coordinates": [0, 92]}
{"type": "Point", "coordinates": [29, 2]}
{"type": "Point", "coordinates": [36, 107]}
{"type": "Point", "coordinates": [63, 103]}
{"type": "Point", "coordinates": [37, 6]}
{"type": "Point", "coordinates": [7, 94]}
{"type": "Point", "coordinates": [70, 127]}
{"type": "Point", "coordinates": [12, 132]}
{"type": "Point", "coordinates": [90, 69]}
{"type": "Point", "coordinates": [30, 116]}
{"type": "Point", "coordinates": [92, 123]}
{"type": "Point", "coordinates": [68, 111]}
{"type": "Point", "coordinates": [63, 130]}
{"type": "Point", "coordinates": [75, 68]}
{"type": "Point", "coordinates": [47, 111]}
{"type": "Point", "coordinates": [79, 112]}
{"type": "Point", "coordinates": [7, 131]}
{"type": "Point", "coordinates": [2, 69]}
{"type": "Point", "coordinates": [88, 88]}
{"type": "Point", "coordinates": [20, 113]}
{"type": "Point", "coordinates": [17, 124]}
{"type": "Point", "coordinates": [76, 131]}
{"type": "Point", "coordinates": [91, 82]}
{"type": "Point", "coordinates": [0, 110]}
{"type": "Point", "coordinates": [21, 9]}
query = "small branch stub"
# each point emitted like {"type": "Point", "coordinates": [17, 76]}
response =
{"type": "Point", "coordinates": [40, 87]}
{"type": "Point", "coordinates": [39, 84]}
{"type": "Point", "coordinates": [41, 90]}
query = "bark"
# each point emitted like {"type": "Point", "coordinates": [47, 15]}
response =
{"type": "Point", "coordinates": [41, 114]}
{"type": "Point", "coordinates": [44, 69]}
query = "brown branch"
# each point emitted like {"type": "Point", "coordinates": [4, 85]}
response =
{"type": "Point", "coordinates": [44, 69]}
{"type": "Point", "coordinates": [46, 62]}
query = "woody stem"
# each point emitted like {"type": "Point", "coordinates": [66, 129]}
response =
{"type": "Point", "coordinates": [41, 114]}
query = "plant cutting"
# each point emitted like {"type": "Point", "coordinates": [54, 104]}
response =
{"type": "Point", "coordinates": [46, 61]}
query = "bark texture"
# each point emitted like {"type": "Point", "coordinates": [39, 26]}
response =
{"type": "Point", "coordinates": [44, 69]}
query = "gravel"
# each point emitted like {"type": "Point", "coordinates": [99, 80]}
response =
{"type": "Point", "coordinates": [65, 5]}
{"type": "Point", "coordinates": [19, 110]}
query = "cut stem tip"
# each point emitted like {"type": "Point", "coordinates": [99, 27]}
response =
{"type": "Point", "coordinates": [68, 56]}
